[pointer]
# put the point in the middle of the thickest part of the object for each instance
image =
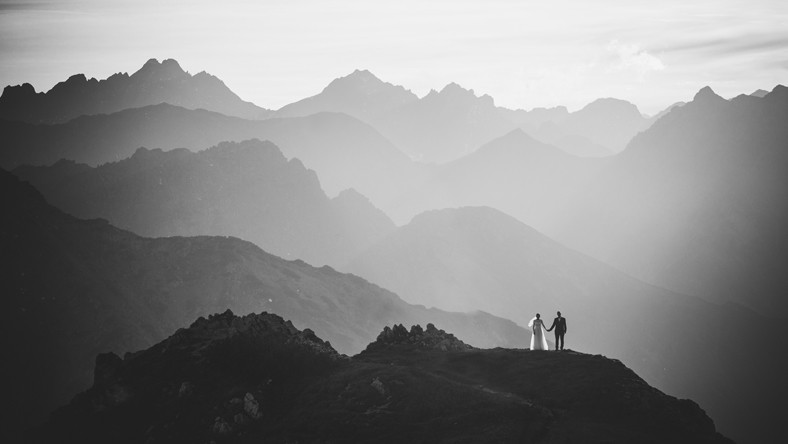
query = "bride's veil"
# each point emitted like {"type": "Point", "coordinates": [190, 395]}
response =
{"type": "Point", "coordinates": [531, 322]}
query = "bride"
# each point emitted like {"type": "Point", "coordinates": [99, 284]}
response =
{"type": "Point", "coordinates": [539, 337]}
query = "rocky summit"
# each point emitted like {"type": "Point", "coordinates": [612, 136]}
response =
{"type": "Point", "coordinates": [228, 379]}
{"type": "Point", "coordinates": [430, 339]}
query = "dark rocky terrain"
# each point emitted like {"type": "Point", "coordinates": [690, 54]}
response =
{"type": "Point", "coordinates": [74, 288]}
{"type": "Point", "coordinates": [154, 83]}
{"type": "Point", "coordinates": [253, 378]}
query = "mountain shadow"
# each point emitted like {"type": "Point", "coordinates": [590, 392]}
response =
{"type": "Point", "coordinates": [74, 288]}
{"type": "Point", "coordinates": [154, 83]}
{"type": "Point", "coordinates": [257, 377]}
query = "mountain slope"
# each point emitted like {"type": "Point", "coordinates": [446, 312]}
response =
{"type": "Point", "coordinates": [75, 288]}
{"type": "Point", "coordinates": [514, 173]}
{"type": "Point", "coordinates": [256, 377]}
{"type": "Point", "coordinates": [247, 190]}
{"type": "Point", "coordinates": [481, 258]}
{"type": "Point", "coordinates": [697, 203]}
{"type": "Point", "coordinates": [154, 83]}
{"type": "Point", "coordinates": [359, 94]}
{"type": "Point", "coordinates": [345, 152]}
{"type": "Point", "coordinates": [610, 123]}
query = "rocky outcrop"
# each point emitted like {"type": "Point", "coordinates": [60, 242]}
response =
{"type": "Point", "coordinates": [258, 378]}
{"type": "Point", "coordinates": [429, 339]}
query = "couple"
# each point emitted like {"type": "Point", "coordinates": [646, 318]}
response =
{"type": "Point", "coordinates": [539, 338]}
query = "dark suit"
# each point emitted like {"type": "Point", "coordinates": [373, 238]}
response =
{"type": "Point", "coordinates": [559, 324]}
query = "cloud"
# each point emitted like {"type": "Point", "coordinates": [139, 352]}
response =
{"type": "Point", "coordinates": [629, 57]}
{"type": "Point", "coordinates": [744, 44]}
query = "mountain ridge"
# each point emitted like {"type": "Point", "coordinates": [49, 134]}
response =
{"type": "Point", "coordinates": [82, 287]}
{"type": "Point", "coordinates": [152, 84]}
{"type": "Point", "coordinates": [242, 378]}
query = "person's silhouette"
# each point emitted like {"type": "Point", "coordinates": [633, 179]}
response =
{"type": "Point", "coordinates": [559, 324]}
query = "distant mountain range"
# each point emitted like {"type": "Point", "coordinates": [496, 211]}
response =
{"type": "Point", "coordinates": [698, 203]}
{"type": "Point", "coordinates": [154, 83]}
{"type": "Point", "coordinates": [247, 190]}
{"type": "Point", "coordinates": [447, 124]}
{"type": "Point", "coordinates": [345, 152]}
{"type": "Point", "coordinates": [74, 288]}
{"type": "Point", "coordinates": [258, 378]}
{"type": "Point", "coordinates": [479, 258]}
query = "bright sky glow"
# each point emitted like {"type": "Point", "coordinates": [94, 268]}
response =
{"type": "Point", "coordinates": [523, 53]}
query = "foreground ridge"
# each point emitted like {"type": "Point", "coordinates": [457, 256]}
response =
{"type": "Point", "coordinates": [229, 378]}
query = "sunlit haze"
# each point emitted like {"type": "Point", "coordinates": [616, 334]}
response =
{"type": "Point", "coordinates": [524, 54]}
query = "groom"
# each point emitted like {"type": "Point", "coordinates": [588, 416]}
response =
{"type": "Point", "coordinates": [559, 324]}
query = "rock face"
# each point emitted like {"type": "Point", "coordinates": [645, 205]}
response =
{"type": "Point", "coordinates": [430, 339]}
{"type": "Point", "coordinates": [156, 82]}
{"type": "Point", "coordinates": [257, 377]}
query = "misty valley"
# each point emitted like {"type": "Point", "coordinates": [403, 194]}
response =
{"type": "Point", "coordinates": [361, 265]}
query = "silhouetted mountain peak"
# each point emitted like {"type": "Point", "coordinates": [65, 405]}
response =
{"type": "Point", "coordinates": [155, 82]}
{"type": "Point", "coordinates": [779, 91]}
{"type": "Point", "coordinates": [365, 83]}
{"type": "Point", "coordinates": [18, 92]}
{"type": "Point", "coordinates": [760, 93]}
{"type": "Point", "coordinates": [168, 69]}
{"type": "Point", "coordinates": [610, 105]}
{"type": "Point", "coordinates": [453, 93]}
{"type": "Point", "coordinates": [219, 327]}
{"type": "Point", "coordinates": [706, 94]}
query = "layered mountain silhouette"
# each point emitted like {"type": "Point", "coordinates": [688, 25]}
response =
{"type": "Point", "coordinates": [606, 125]}
{"type": "Point", "coordinates": [480, 258]}
{"type": "Point", "coordinates": [74, 288]}
{"type": "Point", "coordinates": [245, 379]}
{"type": "Point", "coordinates": [446, 125]}
{"type": "Point", "coordinates": [248, 190]}
{"type": "Point", "coordinates": [154, 83]}
{"type": "Point", "coordinates": [439, 127]}
{"type": "Point", "coordinates": [345, 152]}
{"type": "Point", "coordinates": [514, 173]}
{"type": "Point", "coordinates": [697, 203]}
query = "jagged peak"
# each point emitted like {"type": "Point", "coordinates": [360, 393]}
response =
{"type": "Point", "coordinates": [18, 91]}
{"type": "Point", "coordinates": [365, 82]}
{"type": "Point", "coordinates": [168, 68]}
{"type": "Point", "coordinates": [706, 94]}
{"type": "Point", "coordinates": [455, 88]}
{"type": "Point", "coordinates": [429, 339]}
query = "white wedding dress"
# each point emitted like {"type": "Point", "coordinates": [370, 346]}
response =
{"type": "Point", "coordinates": [539, 335]}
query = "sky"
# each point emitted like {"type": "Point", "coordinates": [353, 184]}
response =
{"type": "Point", "coordinates": [525, 54]}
